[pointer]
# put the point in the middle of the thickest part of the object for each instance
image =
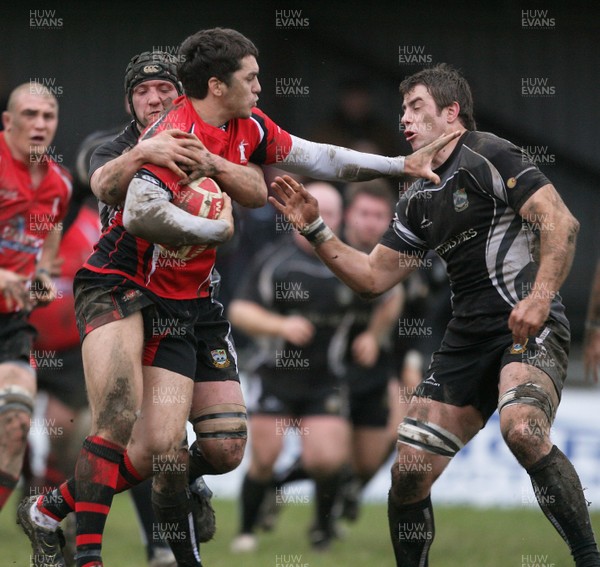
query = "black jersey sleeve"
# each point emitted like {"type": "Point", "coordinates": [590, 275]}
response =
{"type": "Point", "coordinates": [513, 176]}
{"type": "Point", "coordinates": [113, 148]}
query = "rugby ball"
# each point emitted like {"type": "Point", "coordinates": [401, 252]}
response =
{"type": "Point", "coordinates": [201, 198]}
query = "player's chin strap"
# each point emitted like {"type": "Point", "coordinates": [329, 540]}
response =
{"type": "Point", "coordinates": [221, 421]}
{"type": "Point", "coordinates": [428, 437]}
{"type": "Point", "coordinates": [16, 398]}
{"type": "Point", "coordinates": [528, 394]}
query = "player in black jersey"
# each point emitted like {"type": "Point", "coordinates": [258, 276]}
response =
{"type": "Point", "coordinates": [290, 299]}
{"type": "Point", "coordinates": [362, 362]}
{"type": "Point", "coordinates": [508, 241]}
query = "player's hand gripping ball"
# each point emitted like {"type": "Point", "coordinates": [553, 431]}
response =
{"type": "Point", "coordinates": [201, 198]}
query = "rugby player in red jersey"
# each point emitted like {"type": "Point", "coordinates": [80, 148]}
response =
{"type": "Point", "coordinates": [34, 194]}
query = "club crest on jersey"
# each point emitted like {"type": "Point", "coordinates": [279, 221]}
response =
{"type": "Point", "coordinates": [461, 202]}
{"type": "Point", "coordinates": [242, 149]}
{"type": "Point", "coordinates": [219, 356]}
{"type": "Point", "coordinates": [519, 348]}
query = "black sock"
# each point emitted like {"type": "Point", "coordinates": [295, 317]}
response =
{"type": "Point", "coordinates": [142, 500]}
{"type": "Point", "coordinates": [412, 530]}
{"type": "Point", "coordinates": [326, 492]}
{"type": "Point", "coordinates": [559, 493]}
{"type": "Point", "coordinates": [173, 510]}
{"type": "Point", "coordinates": [293, 473]}
{"type": "Point", "coordinates": [253, 494]}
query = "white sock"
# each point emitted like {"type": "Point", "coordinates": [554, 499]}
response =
{"type": "Point", "coordinates": [42, 520]}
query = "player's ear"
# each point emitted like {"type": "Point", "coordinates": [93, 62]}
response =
{"type": "Point", "coordinates": [453, 111]}
{"type": "Point", "coordinates": [6, 116]}
{"type": "Point", "coordinates": [215, 86]}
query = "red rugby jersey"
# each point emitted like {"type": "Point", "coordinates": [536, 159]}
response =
{"type": "Point", "coordinates": [56, 322]}
{"type": "Point", "coordinates": [185, 275]}
{"type": "Point", "coordinates": [27, 214]}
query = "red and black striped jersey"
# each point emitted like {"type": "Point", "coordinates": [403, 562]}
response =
{"type": "Point", "coordinates": [165, 272]}
{"type": "Point", "coordinates": [27, 213]}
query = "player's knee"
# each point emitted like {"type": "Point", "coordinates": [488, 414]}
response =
{"type": "Point", "coordinates": [16, 408]}
{"type": "Point", "coordinates": [526, 431]}
{"type": "Point", "coordinates": [527, 437]}
{"type": "Point", "coordinates": [222, 431]}
{"type": "Point", "coordinates": [225, 455]}
{"type": "Point", "coordinates": [318, 466]}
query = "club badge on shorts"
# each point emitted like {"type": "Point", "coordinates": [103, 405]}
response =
{"type": "Point", "coordinates": [519, 348]}
{"type": "Point", "coordinates": [220, 358]}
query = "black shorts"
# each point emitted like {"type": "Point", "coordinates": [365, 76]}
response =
{"type": "Point", "coordinates": [16, 337]}
{"type": "Point", "coordinates": [370, 408]}
{"type": "Point", "coordinates": [327, 399]}
{"type": "Point", "coordinates": [62, 376]}
{"type": "Point", "coordinates": [216, 358]}
{"type": "Point", "coordinates": [466, 371]}
{"type": "Point", "coordinates": [190, 337]}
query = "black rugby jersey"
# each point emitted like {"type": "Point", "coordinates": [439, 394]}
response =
{"type": "Point", "coordinates": [471, 220]}
{"type": "Point", "coordinates": [288, 281]}
{"type": "Point", "coordinates": [108, 151]}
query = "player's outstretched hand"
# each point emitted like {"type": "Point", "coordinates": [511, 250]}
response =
{"type": "Point", "coordinates": [418, 164]}
{"type": "Point", "coordinates": [297, 205]}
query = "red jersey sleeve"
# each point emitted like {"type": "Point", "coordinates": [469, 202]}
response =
{"type": "Point", "coordinates": [275, 144]}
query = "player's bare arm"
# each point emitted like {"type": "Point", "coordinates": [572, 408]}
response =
{"type": "Point", "coordinates": [367, 345]}
{"type": "Point", "coordinates": [173, 149]}
{"type": "Point", "coordinates": [253, 319]}
{"type": "Point", "coordinates": [244, 184]}
{"type": "Point", "coordinates": [546, 211]}
{"type": "Point", "coordinates": [368, 275]}
{"type": "Point", "coordinates": [149, 214]}
{"type": "Point", "coordinates": [326, 161]}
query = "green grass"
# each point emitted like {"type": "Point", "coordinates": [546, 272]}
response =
{"type": "Point", "coordinates": [465, 537]}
